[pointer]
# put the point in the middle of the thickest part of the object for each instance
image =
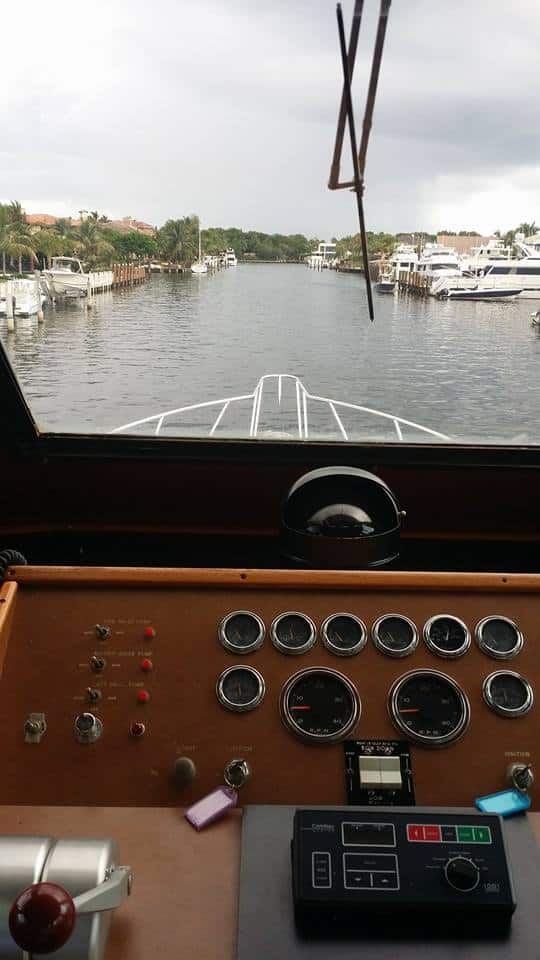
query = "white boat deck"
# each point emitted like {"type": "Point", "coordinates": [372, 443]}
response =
{"type": "Point", "coordinates": [280, 407]}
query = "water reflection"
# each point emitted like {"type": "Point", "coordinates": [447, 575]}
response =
{"type": "Point", "coordinates": [466, 369]}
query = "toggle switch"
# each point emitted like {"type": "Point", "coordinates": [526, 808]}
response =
{"type": "Point", "coordinates": [102, 632]}
{"type": "Point", "coordinates": [93, 694]}
{"type": "Point", "coordinates": [97, 664]}
{"type": "Point", "coordinates": [34, 727]}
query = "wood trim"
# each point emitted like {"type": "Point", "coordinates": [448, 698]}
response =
{"type": "Point", "coordinates": [274, 579]}
{"type": "Point", "coordinates": [8, 592]}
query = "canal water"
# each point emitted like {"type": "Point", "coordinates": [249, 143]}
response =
{"type": "Point", "coordinates": [468, 370]}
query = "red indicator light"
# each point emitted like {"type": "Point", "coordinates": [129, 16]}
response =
{"type": "Point", "coordinates": [149, 633]}
{"type": "Point", "coordinates": [143, 696]}
{"type": "Point", "coordinates": [433, 833]}
{"type": "Point", "coordinates": [146, 665]}
{"type": "Point", "coordinates": [415, 832]}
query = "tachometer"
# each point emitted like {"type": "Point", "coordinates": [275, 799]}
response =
{"type": "Point", "coordinates": [429, 707]}
{"type": "Point", "coordinates": [343, 634]}
{"type": "Point", "coordinates": [319, 705]}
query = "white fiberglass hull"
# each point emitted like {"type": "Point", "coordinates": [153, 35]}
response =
{"type": "Point", "coordinates": [63, 282]}
{"type": "Point", "coordinates": [199, 268]}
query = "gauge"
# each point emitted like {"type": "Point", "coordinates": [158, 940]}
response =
{"type": "Point", "coordinates": [293, 633]}
{"type": "Point", "coordinates": [499, 637]}
{"type": "Point", "coordinates": [343, 634]}
{"type": "Point", "coordinates": [319, 705]}
{"type": "Point", "coordinates": [429, 707]}
{"type": "Point", "coordinates": [241, 631]}
{"type": "Point", "coordinates": [395, 635]}
{"type": "Point", "coordinates": [240, 688]}
{"type": "Point", "coordinates": [447, 636]}
{"type": "Point", "coordinates": [508, 693]}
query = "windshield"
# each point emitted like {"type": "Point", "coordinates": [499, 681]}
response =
{"type": "Point", "coordinates": [220, 291]}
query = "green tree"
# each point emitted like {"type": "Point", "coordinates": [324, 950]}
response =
{"type": "Point", "coordinates": [528, 229]}
{"type": "Point", "coordinates": [178, 240]}
{"type": "Point", "coordinates": [91, 244]}
{"type": "Point", "coordinates": [49, 244]}
{"type": "Point", "coordinates": [15, 239]}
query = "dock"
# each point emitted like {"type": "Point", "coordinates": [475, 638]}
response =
{"type": "Point", "coordinates": [415, 281]}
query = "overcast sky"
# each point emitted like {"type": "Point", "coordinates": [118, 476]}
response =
{"type": "Point", "coordinates": [227, 108]}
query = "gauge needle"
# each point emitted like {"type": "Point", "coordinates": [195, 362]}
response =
{"type": "Point", "coordinates": [411, 710]}
{"type": "Point", "coordinates": [300, 708]}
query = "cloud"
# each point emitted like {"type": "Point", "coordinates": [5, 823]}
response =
{"type": "Point", "coordinates": [228, 108]}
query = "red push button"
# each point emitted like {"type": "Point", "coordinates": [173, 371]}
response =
{"type": "Point", "coordinates": [143, 696]}
{"type": "Point", "coordinates": [146, 665]}
{"type": "Point", "coordinates": [432, 832]}
{"type": "Point", "coordinates": [149, 632]}
{"type": "Point", "coordinates": [415, 832]}
{"type": "Point", "coordinates": [137, 729]}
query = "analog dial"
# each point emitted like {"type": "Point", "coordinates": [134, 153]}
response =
{"type": "Point", "coordinates": [395, 635]}
{"type": "Point", "coordinates": [320, 706]}
{"type": "Point", "coordinates": [293, 633]}
{"type": "Point", "coordinates": [508, 693]}
{"type": "Point", "coordinates": [429, 707]}
{"type": "Point", "coordinates": [447, 636]}
{"type": "Point", "coordinates": [343, 634]}
{"type": "Point", "coordinates": [240, 689]}
{"type": "Point", "coordinates": [241, 631]}
{"type": "Point", "coordinates": [499, 637]}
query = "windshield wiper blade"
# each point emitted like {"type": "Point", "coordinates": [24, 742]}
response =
{"type": "Point", "coordinates": [346, 112]}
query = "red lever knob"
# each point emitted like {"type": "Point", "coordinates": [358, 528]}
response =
{"type": "Point", "coordinates": [42, 918]}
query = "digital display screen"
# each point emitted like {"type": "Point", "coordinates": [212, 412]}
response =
{"type": "Point", "coordinates": [368, 834]}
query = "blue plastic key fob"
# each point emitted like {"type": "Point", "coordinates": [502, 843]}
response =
{"type": "Point", "coordinates": [506, 802]}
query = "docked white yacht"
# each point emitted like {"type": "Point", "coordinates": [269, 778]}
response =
{"type": "Point", "coordinates": [404, 257]}
{"type": "Point", "coordinates": [230, 258]}
{"type": "Point", "coordinates": [66, 276]}
{"type": "Point", "coordinates": [522, 271]}
{"type": "Point", "coordinates": [437, 261]}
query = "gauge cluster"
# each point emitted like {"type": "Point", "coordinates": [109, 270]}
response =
{"type": "Point", "coordinates": [322, 705]}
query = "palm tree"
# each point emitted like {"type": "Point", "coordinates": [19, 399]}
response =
{"type": "Point", "coordinates": [91, 243]}
{"type": "Point", "coordinates": [178, 239]}
{"type": "Point", "coordinates": [49, 243]}
{"type": "Point", "coordinates": [528, 229]}
{"type": "Point", "coordinates": [15, 241]}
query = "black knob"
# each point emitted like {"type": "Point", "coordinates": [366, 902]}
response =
{"type": "Point", "coordinates": [87, 727]}
{"type": "Point", "coordinates": [462, 874]}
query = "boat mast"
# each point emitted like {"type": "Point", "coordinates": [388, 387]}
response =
{"type": "Point", "coordinates": [200, 257]}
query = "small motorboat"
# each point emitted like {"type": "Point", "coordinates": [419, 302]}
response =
{"type": "Point", "coordinates": [478, 293]}
{"type": "Point", "coordinates": [386, 283]}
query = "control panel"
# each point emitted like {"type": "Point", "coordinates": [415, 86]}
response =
{"type": "Point", "coordinates": [143, 692]}
{"type": "Point", "coordinates": [443, 872]}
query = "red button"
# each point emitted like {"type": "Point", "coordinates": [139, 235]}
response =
{"type": "Point", "coordinates": [146, 665]}
{"type": "Point", "coordinates": [137, 729]}
{"type": "Point", "coordinates": [415, 832]}
{"type": "Point", "coordinates": [149, 632]}
{"type": "Point", "coordinates": [143, 696]}
{"type": "Point", "coordinates": [433, 833]}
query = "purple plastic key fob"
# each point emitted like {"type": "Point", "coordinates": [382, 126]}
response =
{"type": "Point", "coordinates": [211, 807]}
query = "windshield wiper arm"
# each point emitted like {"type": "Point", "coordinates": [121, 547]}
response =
{"type": "Point", "coordinates": [346, 113]}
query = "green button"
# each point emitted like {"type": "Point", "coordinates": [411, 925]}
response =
{"type": "Point", "coordinates": [465, 834]}
{"type": "Point", "coordinates": [482, 835]}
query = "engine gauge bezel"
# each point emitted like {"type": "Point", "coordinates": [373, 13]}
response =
{"type": "Point", "coordinates": [506, 711]}
{"type": "Point", "coordinates": [383, 647]}
{"type": "Point", "coordinates": [236, 648]}
{"type": "Point", "coordinates": [240, 707]}
{"type": "Point", "coordinates": [332, 647]}
{"type": "Point", "coordinates": [319, 739]}
{"type": "Point", "coordinates": [440, 651]}
{"type": "Point", "coordinates": [284, 647]}
{"type": "Point", "coordinates": [484, 645]}
{"type": "Point", "coordinates": [444, 740]}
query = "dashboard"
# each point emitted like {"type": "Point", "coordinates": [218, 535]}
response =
{"type": "Point", "coordinates": [138, 687]}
